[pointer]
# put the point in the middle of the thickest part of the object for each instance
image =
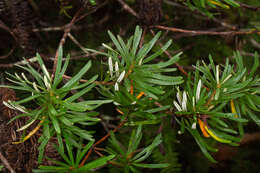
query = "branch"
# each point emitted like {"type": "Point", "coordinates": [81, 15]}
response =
{"type": "Point", "coordinates": [101, 140]}
{"type": "Point", "coordinates": [78, 44]}
{"type": "Point", "coordinates": [66, 32]}
{"type": "Point", "coordinates": [249, 6]}
{"type": "Point", "coordinates": [195, 33]}
{"type": "Point", "coordinates": [127, 8]}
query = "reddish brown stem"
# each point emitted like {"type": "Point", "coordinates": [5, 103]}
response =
{"type": "Point", "coordinates": [101, 140]}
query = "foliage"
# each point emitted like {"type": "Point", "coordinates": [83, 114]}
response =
{"type": "Point", "coordinates": [72, 161]}
{"type": "Point", "coordinates": [133, 73]}
{"type": "Point", "coordinates": [130, 159]}
{"type": "Point", "coordinates": [60, 113]}
{"type": "Point", "coordinates": [219, 101]}
{"type": "Point", "coordinates": [213, 103]}
{"type": "Point", "coordinates": [1, 167]}
{"type": "Point", "coordinates": [65, 6]}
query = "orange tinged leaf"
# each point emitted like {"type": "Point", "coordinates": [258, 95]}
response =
{"type": "Point", "coordinates": [202, 128]}
{"type": "Point", "coordinates": [31, 133]}
{"type": "Point", "coordinates": [140, 95]}
{"type": "Point", "coordinates": [119, 111]}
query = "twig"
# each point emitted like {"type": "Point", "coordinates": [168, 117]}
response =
{"type": "Point", "coordinates": [6, 163]}
{"type": "Point", "coordinates": [23, 62]}
{"type": "Point", "coordinates": [255, 43]}
{"type": "Point", "coordinates": [5, 27]}
{"type": "Point", "coordinates": [74, 27]}
{"type": "Point", "coordinates": [249, 7]}
{"type": "Point", "coordinates": [127, 8]}
{"type": "Point", "coordinates": [101, 140]}
{"type": "Point", "coordinates": [193, 32]}
{"type": "Point", "coordinates": [66, 32]}
{"type": "Point", "coordinates": [77, 43]}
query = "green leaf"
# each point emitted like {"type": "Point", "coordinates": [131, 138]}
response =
{"type": "Point", "coordinates": [146, 48]}
{"type": "Point", "coordinates": [35, 74]}
{"type": "Point", "coordinates": [80, 93]}
{"type": "Point", "coordinates": [157, 53]}
{"type": "Point", "coordinates": [135, 139]}
{"type": "Point", "coordinates": [233, 3]}
{"type": "Point", "coordinates": [41, 149]}
{"type": "Point", "coordinates": [154, 110]}
{"type": "Point", "coordinates": [43, 67]}
{"type": "Point", "coordinates": [96, 163]}
{"type": "Point", "coordinates": [86, 83]}
{"type": "Point", "coordinates": [159, 165]}
{"type": "Point", "coordinates": [59, 63]}
{"type": "Point", "coordinates": [116, 144]}
{"type": "Point", "coordinates": [83, 152]}
{"type": "Point", "coordinates": [201, 144]}
{"type": "Point", "coordinates": [78, 76]}
{"type": "Point", "coordinates": [34, 117]}
{"type": "Point", "coordinates": [253, 117]}
{"type": "Point", "coordinates": [136, 41]}
{"type": "Point", "coordinates": [59, 78]}
{"type": "Point", "coordinates": [55, 123]}
{"type": "Point", "coordinates": [70, 153]}
{"type": "Point", "coordinates": [60, 142]}
{"type": "Point", "coordinates": [66, 121]}
{"type": "Point", "coordinates": [147, 150]}
{"type": "Point", "coordinates": [27, 99]}
{"type": "Point", "coordinates": [230, 116]}
{"type": "Point", "coordinates": [255, 66]}
{"type": "Point", "coordinates": [118, 46]}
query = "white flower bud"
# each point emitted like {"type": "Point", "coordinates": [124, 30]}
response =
{"type": "Point", "coordinates": [35, 87]}
{"type": "Point", "coordinates": [198, 91]}
{"type": "Point", "coordinates": [110, 66]}
{"type": "Point", "coordinates": [116, 86]}
{"type": "Point", "coordinates": [217, 74]}
{"type": "Point", "coordinates": [177, 106]}
{"type": "Point", "coordinates": [117, 69]}
{"type": "Point", "coordinates": [193, 126]}
{"type": "Point", "coordinates": [25, 78]}
{"type": "Point", "coordinates": [121, 77]}
{"type": "Point", "coordinates": [184, 101]}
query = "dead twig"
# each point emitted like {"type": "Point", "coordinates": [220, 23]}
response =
{"type": "Point", "coordinates": [249, 6]}
{"type": "Point", "coordinates": [195, 33]}
{"type": "Point", "coordinates": [6, 163]}
{"type": "Point", "coordinates": [127, 8]}
{"type": "Point", "coordinates": [78, 44]}
{"type": "Point", "coordinates": [65, 35]}
{"type": "Point", "coordinates": [6, 28]}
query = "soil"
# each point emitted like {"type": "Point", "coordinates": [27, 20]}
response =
{"type": "Point", "coordinates": [21, 157]}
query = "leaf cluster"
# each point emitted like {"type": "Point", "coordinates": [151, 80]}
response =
{"type": "Point", "coordinates": [59, 112]}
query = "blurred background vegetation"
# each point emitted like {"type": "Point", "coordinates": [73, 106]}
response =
{"type": "Point", "coordinates": [30, 26]}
